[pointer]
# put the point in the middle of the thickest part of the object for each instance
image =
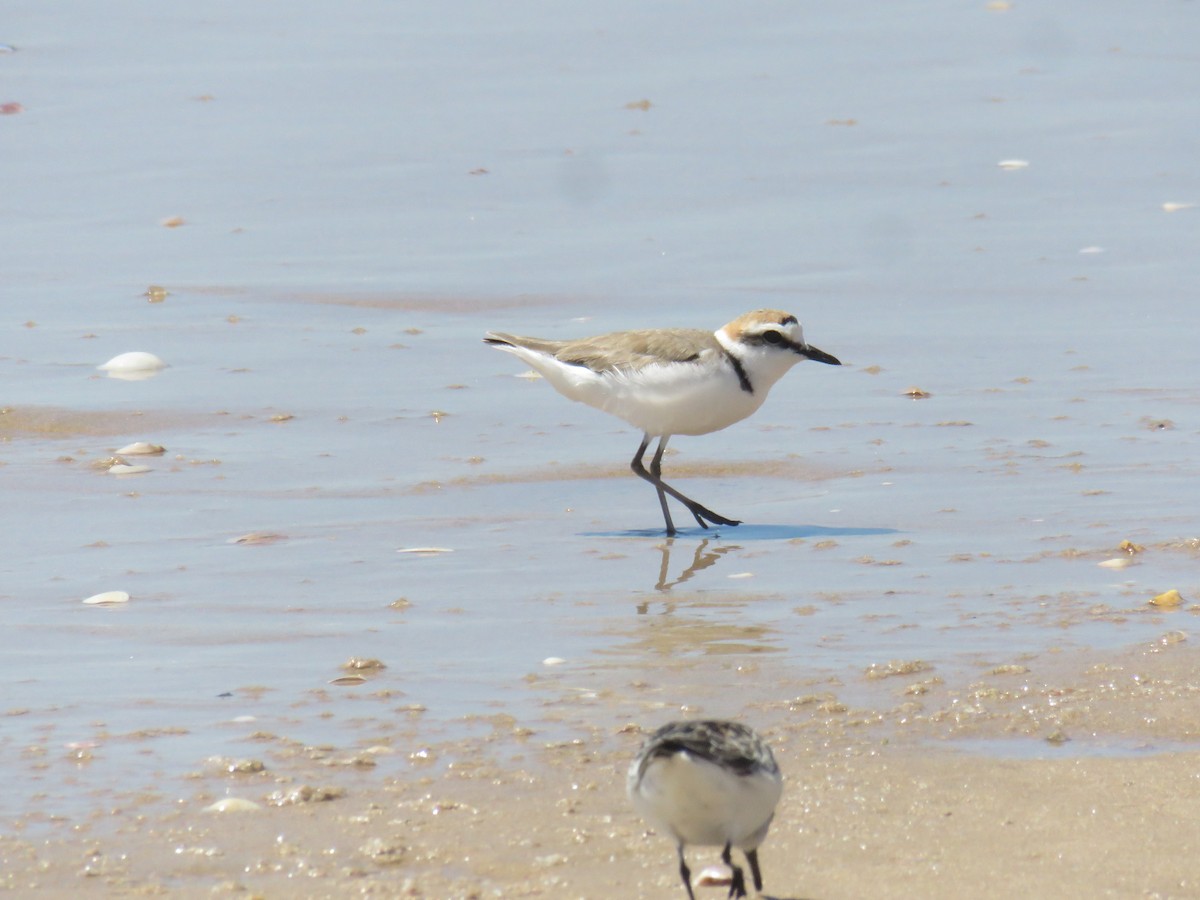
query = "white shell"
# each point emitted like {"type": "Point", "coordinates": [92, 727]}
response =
{"type": "Point", "coordinates": [134, 361]}
{"type": "Point", "coordinates": [1119, 562]}
{"type": "Point", "coordinates": [141, 448]}
{"type": "Point", "coordinates": [107, 598]}
{"type": "Point", "coordinates": [1013, 164]}
{"type": "Point", "coordinates": [122, 469]}
{"type": "Point", "coordinates": [714, 876]}
{"type": "Point", "coordinates": [553, 661]}
{"type": "Point", "coordinates": [425, 551]}
{"type": "Point", "coordinates": [232, 804]}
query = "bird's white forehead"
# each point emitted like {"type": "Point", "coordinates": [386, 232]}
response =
{"type": "Point", "coordinates": [762, 320]}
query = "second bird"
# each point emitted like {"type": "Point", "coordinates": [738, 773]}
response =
{"type": "Point", "coordinates": [671, 381]}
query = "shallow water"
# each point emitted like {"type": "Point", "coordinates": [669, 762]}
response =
{"type": "Point", "coordinates": [343, 250]}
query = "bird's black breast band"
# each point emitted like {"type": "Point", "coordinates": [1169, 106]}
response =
{"type": "Point", "coordinates": [743, 378]}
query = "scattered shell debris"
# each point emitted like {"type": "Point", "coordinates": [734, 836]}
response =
{"type": "Point", "coordinates": [305, 794]}
{"type": "Point", "coordinates": [1010, 669]}
{"type": "Point", "coordinates": [363, 663]}
{"type": "Point", "coordinates": [1168, 599]}
{"type": "Point", "coordinates": [107, 598]}
{"type": "Point", "coordinates": [895, 667]}
{"type": "Point", "coordinates": [232, 804]}
{"type": "Point", "coordinates": [384, 853]}
{"type": "Point", "coordinates": [258, 537]}
{"type": "Point", "coordinates": [233, 766]}
{"type": "Point", "coordinates": [1158, 424]}
{"type": "Point", "coordinates": [142, 448]}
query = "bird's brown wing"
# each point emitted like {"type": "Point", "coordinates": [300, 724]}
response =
{"type": "Point", "coordinates": [629, 351]}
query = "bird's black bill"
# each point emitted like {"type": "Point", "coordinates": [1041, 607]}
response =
{"type": "Point", "coordinates": [821, 356]}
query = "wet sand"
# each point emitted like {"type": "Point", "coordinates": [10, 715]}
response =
{"type": "Point", "coordinates": [1059, 776]}
{"type": "Point", "coordinates": [994, 204]}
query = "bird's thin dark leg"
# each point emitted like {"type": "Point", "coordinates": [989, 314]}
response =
{"type": "Point", "coordinates": [700, 512]}
{"type": "Point", "coordinates": [656, 472]}
{"type": "Point", "coordinates": [686, 874]}
{"type": "Point", "coordinates": [737, 887]}
{"type": "Point", "coordinates": [640, 471]}
{"type": "Point", "coordinates": [755, 872]}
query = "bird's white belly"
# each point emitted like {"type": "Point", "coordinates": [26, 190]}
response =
{"type": "Point", "coordinates": [680, 398]}
{"type": "Point", "coordinates": [698, 802]}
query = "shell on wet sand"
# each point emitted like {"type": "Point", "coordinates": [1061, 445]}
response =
{"type": "Point", "coordinates": [107, 598]}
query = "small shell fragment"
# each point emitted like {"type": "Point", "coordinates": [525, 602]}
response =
{"type": "Point", "coordinates": [258, 537]}
{"type": "Point", "coordinates": [917, 393]}
{"type": "Point", "coordinates": [425, 551]}
{"type": "Point", "coordinates": [107, 598]}
{"type": "Point", "coordinates": [1013, 164]}
{"type": "Point", "coordinates": [553, 661]}
{"type": "Point", "coordinates": [156, 293]}
{"type": "Point", "coordinates": [363, 664]}
{"type": "Point", "coordinates": [1168, 599]}
{"type": "Point", "coordinates": [123, 469]}
{"type": "Point", "coordinates": [1176, 207]}
{"type": "Point", "coordinates": [348, 679]}
{"type": "Point", "coordinates": [142, 448]}
{"type": "Point", "coordinates": [233, 804]}
{"type": "Point", "coordinates": [1120, 562]}
{"type": "Point", "coordinates": [714, 876]}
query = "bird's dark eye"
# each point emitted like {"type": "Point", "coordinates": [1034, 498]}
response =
{"type": "Point", "coordinates": [772, 337]}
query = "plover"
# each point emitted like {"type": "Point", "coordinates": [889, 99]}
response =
{"type": "Point", "coordinates": [710, 783]}
{"type": "Point", "coordinates": [672, 381]}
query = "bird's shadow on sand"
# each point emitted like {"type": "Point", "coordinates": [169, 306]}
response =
{"type": "Point", "coordinates": [747, 532]}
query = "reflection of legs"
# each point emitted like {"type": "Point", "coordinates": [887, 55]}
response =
{"type": "Point", "coordinates": [737, 887]}
{"type": "Point", "coordinates": [654, 476]}
{"type": "Point", "coordinates": [702, 558]}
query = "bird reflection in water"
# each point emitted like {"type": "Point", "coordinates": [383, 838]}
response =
{"type": "Point", "coordinates": [702, 559]}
